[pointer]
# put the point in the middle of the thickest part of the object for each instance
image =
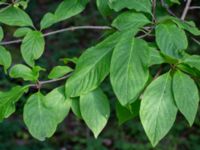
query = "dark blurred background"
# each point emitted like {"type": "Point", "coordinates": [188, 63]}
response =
{"type": "Point", "coordinates": [73, 134]}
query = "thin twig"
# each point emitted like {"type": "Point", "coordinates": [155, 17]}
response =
{"type": "Point", "coordinates": [154, 10]}
{"type": "Point", "coordinates": [194, 7]}
{"type": "Point", "coordinates": [41, 83]}
{"type": "Point", "coordinates": [165, 5]}
{"type": "Point", "coordinates": [186, 9]}
{"type": "Point", "coordinates": [60, 31]}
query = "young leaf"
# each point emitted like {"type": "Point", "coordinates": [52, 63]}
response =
{"type": "Point", "coordinates": [192, 61]}
{"type": "Point", "coordinates": [171, 40]}
{"type": "Point", "coordinates": [92, 68]}
{"type": "Point", "coordinates": [8, 100]}
{"type": "Point", "coordinates": [32, 47]}
{"type": "Point", "coordinates": [21, 32]}
{"type": "Point", "coordinates": [56, 102]}
{"type": "Point", "coordinates": [186, 95]}
{"type": "Point", "coordinates": [5, 58]}
{"type": "Point", "coordinates": [158, 110]}
{"type": "Point", "coordinates": [103, 6]}
{"type": "Point", "coordinates": [129, 68]}
{"type": "Point", "coordinates": [130, 20]}
{"type": "Point", "coordinates": [138, 5]}
{"type": "Point", "coordinates": [14, 16]}
{"type": "Point", "coordinates": [40, 120]}
{"type": "Point", "coordinates": [24, 72]}
{"type": "Point", "coordinates": [1, 33]}
{"type": "Point", "coordinates": [127, 113]}
{"type": "Point", "coordinates": [95, 110]}
{"type": "Point", "coordinates": [59, 71]}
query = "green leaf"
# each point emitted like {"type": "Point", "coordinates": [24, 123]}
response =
{"type": "Point", "coordinates": [57, 103]}
{"type": "Point", "coordinates": [75, 106]}
{"type": "Point", "coordinates": [156, 57]}
{"type": "Point", "coordinates": [129, 68]}
{"type": "Point", "coordinates": [48, 20]}
{"type": "Point", "coordinates": [171, 40]}
{"type": "Point", "coordinates": [186, 95]}
{"type": "Point", "coordinates": [59, 71]}
{"type": "Point", "coordinates": [40, 120]}
{"type": "Point", "coordinates": [8, 100]}
{"type": "Point", "coordinates": [103, 7]}
{"type": "Point", "coordinates": [158, 110]}
{"type": "Point", "coordinates": [189, 26]}
{"type": "Point", "coordinates": [73, 8]}
{"type": "Point", "coordinates": [192, 61]}
{"type": "Point", "coordinates": [189, 70]}
{"type": "Point", "coordinates": [92, 68]}
{"type": "Point", "coordinates": [5, 58]}
{"type": "Point", "coordinates": [175, 1]}
{"type": "Point", "coordinates": [127, 113]}
{"type": "Point", "coordinates": [24, 72]}
{"type": "Point", "coordinates": [32, 47]}
{"type": "Point", "coordinates": [21, 32]}
{"type": "Point", "coordinates": [130, 20]}
{"type": "Point", "coordinates": [65, 10]}
{"type": "Point", "coordinates": [95, 110]}
{"type": "Point", "coordinates": [14, 16]}
{"type": "Point", "coordinates": [138, 5]}
{"type": "Point", "coordinates": [1, 33]}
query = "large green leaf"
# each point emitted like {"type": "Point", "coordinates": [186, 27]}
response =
{"type": "Point", "coordinates": [186, 95]}
{"type": "Point", "coordinates": [1, 33]}
{"type": "Point", "coordinates": [92, 68]}
{"type": "Point", "coordinates": [8, 100]}
{"type": "Point", "coordinates": [5, 58]}
{"type": "Point", "coordinates": [95, 110]}
{"type": "Point", "coordinates": [40, 120]}
{"type": "Point", "coordinates": [129, 68]}
{"type": "Point", "coordinates": [158, 110]}
{"type": "Point", "coordinates": [171, 40]}
{"type": "Point", "coordinates": [24, 72]}
{"type": "Point", "coordinates": [65, 10]}
{"type": "Point", "coordinates": [138, 5]}
{"type": "Point", "coordinates": [32, 47]}
{"type": "Point", "coordinates": [192, 61]}
{"type": "Point", "coordinates": [57, 103]}
{"type": "Point", "coordinates": [15, 17]}
{"type": "Point", "coordinates": [59, 71]}
{"type": "Point", "coordinates": [130, 20]}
